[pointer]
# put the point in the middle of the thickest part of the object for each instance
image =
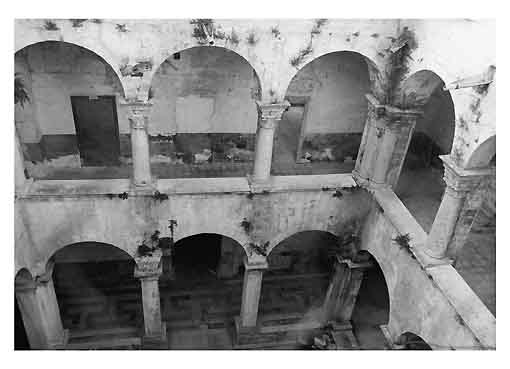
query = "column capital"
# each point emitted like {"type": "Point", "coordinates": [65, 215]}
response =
{"type": "Point", "coordinates": [138, 113]}
{"type": "Point", "coordinates": [255, 265]}
{"type": "Point", "coordinates": [458, 180]}
{"type": "Point", "coordinates": [353, 264]}
{"type": "Point", "coordinates": [148, 266]}
{"type": "Point", "coordinates": [394, 115]}
{"type": "Point", "coordinates": [269, 113]}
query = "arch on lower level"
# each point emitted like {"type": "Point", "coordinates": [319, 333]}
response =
{"type": "Point", "coordinates": [413, 341]}
{"type": "Point", "coordinates": [207, 255]}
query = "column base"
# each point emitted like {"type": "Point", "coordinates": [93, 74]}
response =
{"type": "Point", "coordinates": [22, 189]}
{"type": "Point", "coordinates": [145, 188]}
{"type": "Point", "coordinates": [61, 343]}
{"type": "Point", "coordinates": [156, 342]}
{"type": "Point", "coordinates": [260, 185]}
{"type": "Point", "coordinates": [389, 342]}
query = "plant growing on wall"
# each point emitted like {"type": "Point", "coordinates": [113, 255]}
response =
{"type": "Point", "coordinates": [121, 28]}
{"type": "Point", "coordinates": [76, 23]}
{"type": "Point", "coordinates": [317, 27]}
{"type": "Point", "coordinates": [252, 39]}
{"type": "Point", "coordinates": [50, 26]}
{"type": "Point", "coordinates": [203, 30]}
{"type": "Point", "coordinates": [275, 32]}
{"type": "Point", "coordinates": [398, 65]}
{"type": "Point", "coordinates": [298, 59]}
{"type": "Point", "coordinates": [20, 92]}
{"type": "Point", "coordinates": [258, 249]}
{"type": "Point", "coordinates": [403, 241]}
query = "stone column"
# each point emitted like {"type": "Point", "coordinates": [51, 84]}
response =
{"type": "Point", "coordinates": [19, 164]}
{"type": "Point", "coordinates": [148, 269]}
{"type": "Point", "coordinates": [252, 286]}
{"type": "Point", "coordinates": [138, 118]}
{"type": "Point", "coordinates": [40, 312]}
{"type": "Point", "coordinates": [388, 131]}
{"type": "Point", "coordinates": [459, 183]}
{"type": "Point", "coordinates": [269, 114]}
{"type": "Point", "coordinates": [343, 289]}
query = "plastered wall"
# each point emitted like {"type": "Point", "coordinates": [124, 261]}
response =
{"type": "Point", "coordinates": [205, 90]}
{"type": "Point", "coordinates": [274, 217]}
{"type": "Point", "coordinates": [335, 85]}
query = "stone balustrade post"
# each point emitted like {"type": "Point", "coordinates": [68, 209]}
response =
{"type": "Point", "coordinates": [269, 115]}
{"type": "Point", "coordinates": [459, 183]}
{"type": "Point", "coordinates": [252, 286]}
{"type": "Point", "coordinates": [343, 289]}
{"type": "Point", "coordinates": [388, 131]}
{"type": "Point", "coordinates": [40, 312]}
{"type": "Point", "coordinates": [148, 269]}
{"type": "Point", "coordinates": [139, 118]}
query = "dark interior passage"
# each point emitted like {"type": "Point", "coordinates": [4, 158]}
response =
{"type": "Point", "coordinates": [197, 257]}
{"type": "Point", "coordinates": [298, 275]}
{"type": "Point", "coordinates": [421, 184]}
{"type": "Point", "coordinates": [97, 292]}
{"type": "Point", "coordinates": [372, 309]}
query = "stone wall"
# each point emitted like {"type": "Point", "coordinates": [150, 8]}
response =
{"type": "Point", "coordinates": [273, 217]}
{"type": "Point", "coordinates": [434, 303]}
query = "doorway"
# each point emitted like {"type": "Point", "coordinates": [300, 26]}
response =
{"type": "Point", "coordinates": [97, 132]}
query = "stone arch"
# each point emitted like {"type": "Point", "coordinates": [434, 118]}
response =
{"type": "Point", "coordinates": [372, 69]}
{"type": "Point", "coordinates": [23, 276]}
{"type": "Point", "coordinates": [148, 78]}
{"type": "Point", "coordinates": [434, 132]}
{"type": "Point", "coordinates": [418, 87]}
{"type": "Point", "coordinates": [374, 277]}
{"type": "Point", "coordinates": [81, 248]}
{"type": "Point", "coordinates": [278, 239]}
{"type": "Point", "coordinates": [49, 257]}
{"type": "Point", "coordinates": [213, 251]}
{"type": "Point", "coordinates": [106, 57]}
{"type": "Point", "coordinates": [234, 238]}
{"type": "Point", "coordinates": [326, 236]}
{"type": "Point", "coordinates": [413, 341]}
{"type": "Point", "coordinates": [423, 90]}
{"type": "Point", "coordinates": [483, 154]}
{"type": "Point", "coordinates": [328, 108]}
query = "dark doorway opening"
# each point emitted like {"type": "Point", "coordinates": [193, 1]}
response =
{"type": "Point", "coordinates": [97, 132]}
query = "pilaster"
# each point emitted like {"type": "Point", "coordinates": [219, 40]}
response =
{"type": "Point", "coordinates": [343, 289]}
{"type": "Point", "coordinates": [148, 269]}
{"type": "Point", "coordinates": [252, 286]}
{"type": "Point", "coordinates": [40, 312]}
{"type": "Point", "coordinates": [388, 131]}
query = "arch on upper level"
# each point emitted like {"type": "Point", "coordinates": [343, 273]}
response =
{"type": "Point", "coordinates": [420, 186]}
{"type": "Point", "coordinates": [328, 110]}
{"type": "Point", "coordinates": [102, 53]}
{"type": "Point", "coordinates": [483, 154]}
{"type": "Point", "coordinates": [204, 90]}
